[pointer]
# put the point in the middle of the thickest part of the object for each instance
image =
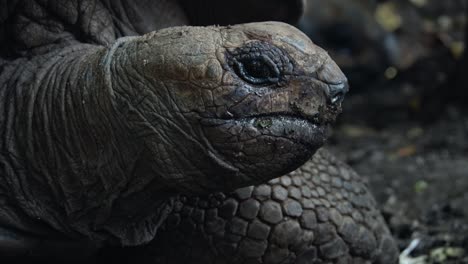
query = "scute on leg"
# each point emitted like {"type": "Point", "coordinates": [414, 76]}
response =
{"type": "Point", "coordinates": [320, 213]}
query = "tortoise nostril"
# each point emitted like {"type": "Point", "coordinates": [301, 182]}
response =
{"type": "Point", "coordinates": [337, 92]}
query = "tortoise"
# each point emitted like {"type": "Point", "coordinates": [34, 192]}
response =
{"type": "Point", "coordinates": [176, 131]}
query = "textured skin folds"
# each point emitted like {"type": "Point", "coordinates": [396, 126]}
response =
{"type": "Point", "coordinates": [93, 131]}
{"type": "Point", "coordinates": [61, 166]}
{"type": "Point", "coordinates": [61, 157]}
{"type": "Point", "coordinates": [113, 113]}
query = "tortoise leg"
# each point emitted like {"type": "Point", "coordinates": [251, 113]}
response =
{"type": "Point", "coordinates": [320, 213]}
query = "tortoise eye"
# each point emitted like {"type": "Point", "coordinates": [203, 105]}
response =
{"type": "Point", "coordinates": [257, 69]}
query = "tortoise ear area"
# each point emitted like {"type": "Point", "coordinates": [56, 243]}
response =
{"type": "Point", "coordinates": [215, 12]}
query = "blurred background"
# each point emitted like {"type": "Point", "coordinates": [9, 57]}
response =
{"type": "Point", "coordinates": [405, 121]}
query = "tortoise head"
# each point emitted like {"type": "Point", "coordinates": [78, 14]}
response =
{"type": "Point", "coordinates": [225, 107]}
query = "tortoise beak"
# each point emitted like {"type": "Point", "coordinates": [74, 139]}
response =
{"type": "Point", "coordinates": [337, 83]}
{"type": "Point", "coordinates": [336, 92]}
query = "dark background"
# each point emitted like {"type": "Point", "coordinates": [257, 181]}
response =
{"type": "Point", "coordinates": [405, 121]}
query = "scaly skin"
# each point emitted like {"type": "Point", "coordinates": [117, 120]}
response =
{"type": "Point", "coordinates": [103, 132]}
{"type": "Point", "coordinates": [97, 139]}
{"type": "Point", "coordinates": [320, 213]}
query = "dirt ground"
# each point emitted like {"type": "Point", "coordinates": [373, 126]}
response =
{"type": "Point", "coordinates": [419, 176]}
{"type": "Point", "coordinates": [405, 121]}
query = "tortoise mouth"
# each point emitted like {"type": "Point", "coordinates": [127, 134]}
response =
{"type": "Point", "coordinates": [263, 146]}
{"type": "Point", "coordinates": [308, 131]}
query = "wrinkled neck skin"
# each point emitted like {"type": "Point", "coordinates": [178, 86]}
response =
{"type": "Point", "coordinates": [68, 157]}
{"type": "Point", "coordinates": [89, 156]}
{"type": "Point", "coordinates": [98, 137]}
